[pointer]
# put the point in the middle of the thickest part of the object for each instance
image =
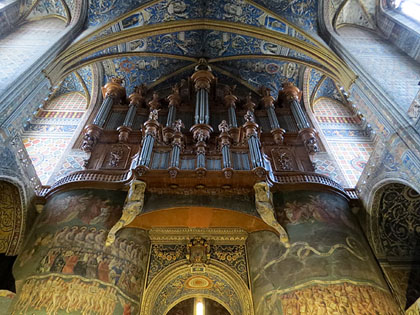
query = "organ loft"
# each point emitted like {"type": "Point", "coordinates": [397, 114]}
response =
{"type": "Point", "coordinates": [176, 157]}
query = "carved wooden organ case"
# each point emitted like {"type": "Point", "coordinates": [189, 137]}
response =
{"type": "Point", "coordinates": [199, 128]}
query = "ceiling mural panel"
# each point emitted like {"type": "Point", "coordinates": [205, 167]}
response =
{"type": "Point", "coordinates": [232, 11]}
{"type": "Point", "coordinates": [269, 73]}
{"type": "Point", "coordinates": [301, 13]}
{"type": "Point", "coordinates": [313, 79]}
{"type": "Point", "coordinates": [136, 71]}
{"type": "Point", "coordinates": [104, 11]}
{"type": "Point", "coordinates": [202, 43]}
{"type": "Point", "coordinates": [87, 76]}
{"type": "Point", "coordinates": [48, 7]}
{"type": "Point", "coordinates": [328, 89]}
{"type": "Point", "coordinates": [70, 84]}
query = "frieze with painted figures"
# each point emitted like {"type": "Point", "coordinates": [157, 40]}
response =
{"type": "Point", "coordinates": [79, 250]}
{"type": "Point", "coordinates": [340, 298]}
{"type": "Point", "coordinates": [199, 43]}
{"type": "Point", "coordinates": [93, 207]}
{"type": "Point", "coordinates": [233, 11]}
{"type": "Point", "coordinates": [56, 293]}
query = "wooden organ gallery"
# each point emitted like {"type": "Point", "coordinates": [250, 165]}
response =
{"type": "Point", "coordinates": [199, 198]}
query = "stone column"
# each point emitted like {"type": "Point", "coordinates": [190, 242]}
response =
{"type": "Point", "coordinates": [65, 266]}
{"type": "Point", "coordinates": [327, 267]}
{"type": "Point", "coordinates": [276, 130]}
{"type": "Point", "coordinates": [291, 96]}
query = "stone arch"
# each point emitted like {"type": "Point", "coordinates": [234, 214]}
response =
{"type": "Point", "coordinates": [13, 216]}
{"type": "Point", "coordinates": [394, 220]}
{"type": "Point", "coordinates": [394, 234]}
{"type": "Point", "coordinates": [172, 285]}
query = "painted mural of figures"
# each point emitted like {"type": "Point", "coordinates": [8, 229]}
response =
{"type": "Point", "coordinates": [316, 210]}
{"type": "Point", "coordinates": [176, 8]}
{"type": "Point", "coordinates": [86, 207]}
{"type": "Point", "coordinates": [103, 269]}
{"type": "Point", "coordinates": [54, 294]}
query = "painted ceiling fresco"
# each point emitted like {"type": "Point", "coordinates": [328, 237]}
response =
{"type": "Point", "coordinates": [301, 13]}
{"type": "Point", "coordinates": [255, 43]}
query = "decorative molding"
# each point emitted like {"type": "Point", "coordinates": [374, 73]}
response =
{"type": "Point", "coordinates": [231, 236]}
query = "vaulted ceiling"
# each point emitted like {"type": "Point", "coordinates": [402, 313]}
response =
{"type": "Point", "coordinates": [252, 43]}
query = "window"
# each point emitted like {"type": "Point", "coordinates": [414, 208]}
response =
{"type": "Point", "coordinates": [410, 8]}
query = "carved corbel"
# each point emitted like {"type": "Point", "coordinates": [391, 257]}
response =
{"type": "Point", "coordinates": [265, 208]}
{"type": "Point", "coordinates": [132, 208]}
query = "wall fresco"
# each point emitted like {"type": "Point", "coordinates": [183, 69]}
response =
{"type": "Point", "coordinates": [326, 247]}
{"type": "Point", "coordinates": [68, 243]}
{"type": "Point", "coordinates": [343, 298]}
{"type": "Point", "coordinates": [52, 294]}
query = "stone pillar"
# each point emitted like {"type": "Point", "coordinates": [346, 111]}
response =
{"type": "Point", "coordinates": [328, 268]}
{"type": "Point", "coordinates": [65, 266]}
{"type": "Point", "coordinates": [291, 96]}
{"type": "Point", "coordinates": [136, 99]}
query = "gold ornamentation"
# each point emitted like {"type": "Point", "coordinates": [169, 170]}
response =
{"type": "Point", "coordinates": [214, 235]}
{"type": "Point", "coordinates": [10, 211]}
{"type": "Point", "coordinates": [132, 207]}
{"type": "Point", "coordinates": [198, 251]}
{"type": "Point", "coordinates": [265, 207]}
{"type": "Point", "coordinates": [198, 282]}
{"type": "Point", "coordinates": [170, 286]}
{"type": "Point", "coordinates": [414, 309]}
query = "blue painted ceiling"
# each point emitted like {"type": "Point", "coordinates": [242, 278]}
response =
{"type": "Point", "coordinates": [124, 48]}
